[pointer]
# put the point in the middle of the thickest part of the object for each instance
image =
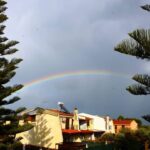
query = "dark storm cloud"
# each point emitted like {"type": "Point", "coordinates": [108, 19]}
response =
{"type": "Point", "coordinates": [59, 36]}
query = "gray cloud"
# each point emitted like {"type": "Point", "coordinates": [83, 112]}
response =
{"type": "Point", "coordinates": [60, 36]}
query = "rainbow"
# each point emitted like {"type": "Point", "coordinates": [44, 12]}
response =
{"type": "Point", "coordinates": [62, 75]}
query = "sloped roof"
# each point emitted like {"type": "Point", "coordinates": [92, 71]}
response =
{"type": "Point", "coordinates": [32, 111]}
{"type": "Point", "coordinates": [38, 109]}
{"type": "Point", "coordinates": [61, 112]}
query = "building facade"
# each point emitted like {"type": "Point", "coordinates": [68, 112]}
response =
{"type": "Point", "coordinates": [46, 131]}
{"type": "Point", "coordinates": [53, 126]}
{"type": "Point", "coordinates": [125, 124]}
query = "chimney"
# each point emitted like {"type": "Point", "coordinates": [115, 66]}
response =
{"type": "Point", "coordinates": [107, 123]}
{"type": "Point", "coordinates": [75, 119]}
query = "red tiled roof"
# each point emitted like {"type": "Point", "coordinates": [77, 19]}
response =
{"type": "Point", "coordinates": [61, 112]}
{"type": "Point", "coordinates": [122, 122]}
{"type": "Point", "coordinates": [86, 131]}
{"type": "Point", "coordinates": [71, 131]}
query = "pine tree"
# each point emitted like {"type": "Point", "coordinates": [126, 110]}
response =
{"type": "Point", "coordinates": [9, 119]}
{"type": "Point", "coordinates": [146, 7]}
{"type": "Point", "coordinates": [138, 45]}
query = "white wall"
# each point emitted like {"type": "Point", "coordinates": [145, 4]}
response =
{"type": "Point", "coordinates": [111, 127]}
{"type": "Point", "coordinates": [101, 123]}
{"type": "Point", "coordinates": [83, 126]}
{"type": "Point", "coordinates": [98, 123]}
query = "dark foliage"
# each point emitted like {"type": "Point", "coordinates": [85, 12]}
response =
{"type": "Point", "coordinates": [138, 45]}
{"type": "Point", "coordinates": [9, 119]}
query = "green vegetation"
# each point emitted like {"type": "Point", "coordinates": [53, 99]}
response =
{"type": "Point", "coordinates": [127, 139]}
{"type": "Point", "coordinates": [120, 117]}
{"type": "Point", "coordinates": [9, 120]}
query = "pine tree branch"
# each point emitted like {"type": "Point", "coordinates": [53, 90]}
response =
{"type": "Point", "coordinates": [138, 89]}
{"type": "Point", "coordinates": [2, 9]}
{"type": "Point", "coordinates": [7, 78]}
{"type": "Point", "coordinates": [6, 68]}
{"type": "Point", "coordinates": [5, 111]}
{"type": "Point", "coordinates": [3, 39]}
{"type": "Point", "coordinates": [138, 45]}
{"type": "Point", "coordinates": [3, 18]}
{"type": "Point", "coordinates": [146, 7]}
{"type": "Point", "coordinates": [2, 3]}
{"type": "Point", "coordinates": [2, 27]}
{"type": "Point", "coordinates": [21, 109]}
{"type": "Point", "coordinates": [129, 47]}
{"type": "Point", "coordinates": [10, 51]}
{"type": "Point", "coordinates": [143, 79]}
{"type": "Point", "coordinates": [15, 61]}
{"type": "Point", "coordinates": [146, 117]}
{"type": "Point", "coordinates": [142, 37]}
{"type": "Point", "coordinates": [11, 101]}
{"type": "Point", "coordinates": [7, 91]}
{"type": "Point", "coordinates": [7, 47]}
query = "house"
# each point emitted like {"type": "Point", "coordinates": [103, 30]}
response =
{"type": "Point", "coordinates": [122, 124]}
{"type": "Point", "coordinates": [87, 127]}
{"type": "Point", "coordinates": [55, 126]}
{"type": "Point", "coordinates": [75, 128]}
{"type": "Point", "coordinates": [46, 131]}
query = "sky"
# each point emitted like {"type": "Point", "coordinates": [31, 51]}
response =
{"type": "Point", "coordinates": [71, 36]}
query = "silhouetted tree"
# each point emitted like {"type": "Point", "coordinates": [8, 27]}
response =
{"type": "Point", "coordinates": [9, 120]}
{"type": "Point", "coordinates": [138, 45]}
{"type": "Point", "coordinates": [120, 117]}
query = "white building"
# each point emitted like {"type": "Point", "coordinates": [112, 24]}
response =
{"type": "Point", "coordinates": [100, 123]}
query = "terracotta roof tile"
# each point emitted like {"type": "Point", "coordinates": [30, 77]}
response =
{"type": "Point", "coordinates": [61, 112]}
{"type": "Point", "coordinates": [71, 131]}
{"type": "Point", "coordinates": [122, 122]}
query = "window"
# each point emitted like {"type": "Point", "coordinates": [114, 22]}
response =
{"type": "Point", "coordinates": [63, 120]}
{"type": "Point", "coordinates": [110, 127]}
{"type": "Point", "coordinates": [31, 118]}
